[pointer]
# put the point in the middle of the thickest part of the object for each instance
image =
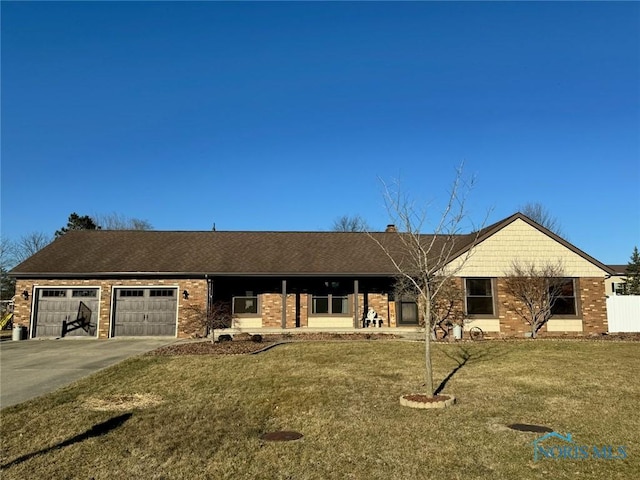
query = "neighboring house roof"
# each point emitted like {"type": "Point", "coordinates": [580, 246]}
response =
{"type": "Point", "coordinates": [87, 253]}
{"type": "Point", "coordinates": [619, 269]}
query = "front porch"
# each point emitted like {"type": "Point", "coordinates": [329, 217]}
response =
{"type": "Point", "coordinates": [327, 304]}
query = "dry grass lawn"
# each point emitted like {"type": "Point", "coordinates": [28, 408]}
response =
{"type": "Point", "coordinates": [195, 417]}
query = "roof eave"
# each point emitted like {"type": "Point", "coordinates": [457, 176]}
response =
{"type": "Point", "coordinates": [53, 275]}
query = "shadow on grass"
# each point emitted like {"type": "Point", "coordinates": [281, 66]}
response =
{"type": "Point", "coordinates": [97, 430]}
{"type": "Point", "coordinates": [465, 355]}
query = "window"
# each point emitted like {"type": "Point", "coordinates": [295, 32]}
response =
{"type": "Point", "coordinates": [54, 293]}
{"type": "Point", "coordinates": [565, 303]}
{"type": "Point", "coordinates": [247, 305]}
{"type": "Point", "coordinates": [330, 305]}
{"type": "Point", "coordinates": [479, 296]}
{"type": "Point", "coordinates": [130, 293]}
{"type": "Point", "coordinates": [162, 292]}
{"type": "Point", "coordinates": [84, 293]}
{"type": "Point", "coordinates": [618, 288]}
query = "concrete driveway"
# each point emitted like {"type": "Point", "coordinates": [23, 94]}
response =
{"type": "Point", "coordinates": [32, 368]}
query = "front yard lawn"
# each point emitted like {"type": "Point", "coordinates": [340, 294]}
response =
{"type": "Point", "coordinates": [190, 417]}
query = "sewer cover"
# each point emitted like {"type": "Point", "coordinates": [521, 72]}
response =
{"type": "Point", "coordinates": [523, 427]}
{"type": "Point", "coordinates": [280, 436]}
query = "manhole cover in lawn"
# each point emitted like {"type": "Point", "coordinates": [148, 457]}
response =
{"type": "Point", "coordinates": [280, 436]}
{"type": "Point", "coordinates": [523, 427]}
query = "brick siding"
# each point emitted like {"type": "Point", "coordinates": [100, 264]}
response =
{"type": "Point", "coordinates": [187, 321]}
{"type": "Point", "coordinates": [591, 304]}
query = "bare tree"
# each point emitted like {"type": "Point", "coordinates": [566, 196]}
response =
{"type": "Point", "coordinates": [446, 305]}
{"type": "Point", "coordinates": [535, 290]}
{"type": "Point", "coordinates": [447, 308]}
{"type": "Point", "coordinates": [346, 223]}
{"type": "Point", "coordinates": [116, 221]}
{"type": "Point", "coordinates": [218, 315]}
{"type": "Point", "coordinates": [539, 214]}
{"type": "Point", "coordinates": [7, 261]}
{"type": "Point", "coordinates": [424, 261]}
{"type": "Point", "coordinates": [30, 244]}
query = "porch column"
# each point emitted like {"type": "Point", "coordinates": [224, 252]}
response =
{"type": "Point", "coordinates": [209, 293]}
{"type": "Point", "coordinates": [284, 304]}
{"type": "Point", "coordinates": [356, 317]}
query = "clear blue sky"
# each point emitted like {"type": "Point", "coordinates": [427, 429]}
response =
{"type": "Point", "coordinates": [284, 116]}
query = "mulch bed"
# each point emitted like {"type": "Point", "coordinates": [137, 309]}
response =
{"type": "Point", "coordinates": [246, 346]}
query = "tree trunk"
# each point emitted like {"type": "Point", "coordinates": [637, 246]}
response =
{"type": "Point", "coordinates": [427, 346]}
{"type": "Point", "coordinates": [428, 367]}
{"type": "Point", "coordinates": [534, 331]}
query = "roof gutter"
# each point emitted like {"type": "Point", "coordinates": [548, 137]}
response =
{"type": "Point", "coordinates": [204, 275]}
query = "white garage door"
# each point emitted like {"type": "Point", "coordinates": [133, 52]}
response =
{"type": "Point", "coordinates": [145, 312]}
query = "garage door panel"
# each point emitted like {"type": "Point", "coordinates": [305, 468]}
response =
{"type": "Point", "coordinates": [132, 329]}
{"type": "Point", "coordinates": [161, 307]}
{"type": "Point", "coordinates": [131, 306]}
{"type": "Point", "coordinates": [160, 329]}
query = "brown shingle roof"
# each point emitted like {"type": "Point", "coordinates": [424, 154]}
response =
{"type": "Point", "coordinates": [120, 252]}
{"type": "Point", "coordinates": [128, 252]}
{"type": "Point", "coordinates": [619, 269]}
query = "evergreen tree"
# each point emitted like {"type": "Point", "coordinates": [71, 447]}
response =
{"type": "Point", "coordinates": [76, 222]}
{"type": "Point", "coordinates": [632, 282]}
{"type": "Point", "coordinates": [7, 285]}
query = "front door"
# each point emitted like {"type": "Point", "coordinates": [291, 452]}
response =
{"type": "Point", "coordinates": [407, 312]}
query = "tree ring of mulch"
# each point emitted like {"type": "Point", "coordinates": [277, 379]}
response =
{"type": "Point", "coordinates": [524, 427]}
{"type": "Point", "coordinates": [281, 436]}
{"type": "Point", "coordinates": [420, 400]}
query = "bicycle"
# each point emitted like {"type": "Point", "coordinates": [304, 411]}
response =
{"type": "Point", "coordinates": [476, 333]}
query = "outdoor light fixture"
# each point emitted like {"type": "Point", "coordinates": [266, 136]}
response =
{"type": "Point", "coordinates": [185, 295]}
{"type": "Point", "coordinates": [25, 295]}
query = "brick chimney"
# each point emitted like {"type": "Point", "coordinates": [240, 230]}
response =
{"type": "Point", "coordinates": [391, 228]}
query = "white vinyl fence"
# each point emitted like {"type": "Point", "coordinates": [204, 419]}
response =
{"type": "Point", "coordinates": [623, 312]}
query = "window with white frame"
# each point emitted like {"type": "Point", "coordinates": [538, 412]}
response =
{"type": "Point", "coordinates": [479, 296]}
{"type": "Point", "coordinates": [618, 288]}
